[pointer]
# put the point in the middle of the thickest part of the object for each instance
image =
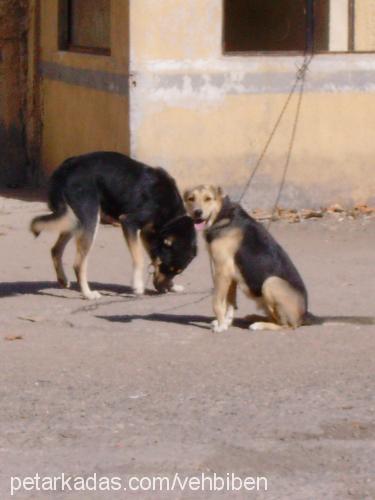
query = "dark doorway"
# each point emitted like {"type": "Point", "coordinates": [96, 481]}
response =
{"type": "Point", "coordinates": [13, 87]}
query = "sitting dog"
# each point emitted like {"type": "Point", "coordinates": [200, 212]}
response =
{"type": "Point", "coordinates": [143, 199]}
{"type": "Point", "coordinates": [244, 253]}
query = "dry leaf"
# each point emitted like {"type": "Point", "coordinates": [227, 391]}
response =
{"type": "Point", "coordinates": [364, 209]}
{"type": "Point", "coordinates": [311, 214]}
{"type": "Point", "coordinates": [335, 208]}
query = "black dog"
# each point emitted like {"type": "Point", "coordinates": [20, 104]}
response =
{"type": "Point", "coordinates": [144, 199]}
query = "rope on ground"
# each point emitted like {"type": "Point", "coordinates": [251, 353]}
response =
{"type": "Point", "coordinates": [133, 298]}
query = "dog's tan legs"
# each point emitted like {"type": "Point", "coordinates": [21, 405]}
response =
{"type": "Point", "coordinates": [57, 252]}
{"type": "Point", "coordinates": [284, 303]}
{"type": "Point", "coordinates": [134, 242]}
{"type": "Point", "coordinates": [84, 243]}
{"type": "Point", "coordinates": [220, 305]}
{"type": "Point", "coordinates": [231, 303]}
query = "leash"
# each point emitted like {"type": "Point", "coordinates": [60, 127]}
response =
{"type": "Point", "coordinates": [299, 79]}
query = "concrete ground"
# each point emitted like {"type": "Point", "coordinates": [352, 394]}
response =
{"type": "Point", "coordinates": [141, 387]}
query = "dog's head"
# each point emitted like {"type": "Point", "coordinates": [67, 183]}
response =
{"type": "Point", "coordinates": [203, 203]}
{"type": "Point", "coordinates": [172, 249]}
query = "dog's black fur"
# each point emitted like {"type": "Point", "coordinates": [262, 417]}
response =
{"type": "Point", "coordinates": [143, 198]}
{"type": "Point", "coordinates": [259, 255]}
{"type": "Point", "coordinates": [245, 254]}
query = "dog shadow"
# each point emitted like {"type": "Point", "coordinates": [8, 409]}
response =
{"type": "Point", "coordinates": [196, 320]}
{"type": "Point", "coordinates": [345, 320]}
{"type": "Point", "coordinates": [244, 323]}
{"type": "Point", "coordinates": [45, 288]}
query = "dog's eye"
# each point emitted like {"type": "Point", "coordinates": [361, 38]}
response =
{"type": "Point", "coordinates": [191, 198]}
{"type": "Point", "coordinates": [168, 242]}
{"type": "Point", "coordinates": [174, 270]}
{"type": "Point", "coordinates": [208, 198]}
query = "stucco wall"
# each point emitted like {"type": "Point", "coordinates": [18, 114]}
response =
{"type": "Point", "coordinates": [206, 116]}
{"type": "Point", "coordinates": [13, 161]}
{"type": "Point", "coordinates": [85, 104]}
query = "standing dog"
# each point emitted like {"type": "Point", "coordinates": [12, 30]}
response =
{"type": "Point", "coordinates": [144, 199]}
{"type": "Point", "coordinates": [245, 254]}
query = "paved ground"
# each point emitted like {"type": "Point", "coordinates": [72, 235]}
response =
{"type": "Point", "coordinates": [128, 386]}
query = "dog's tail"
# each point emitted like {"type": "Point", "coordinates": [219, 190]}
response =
{"type": "Point", "coordinates": [61, 222]}
{"type": "Point", "coordinates": [311, 319]}
{"type": "Point", "coordinates": [62, 218]}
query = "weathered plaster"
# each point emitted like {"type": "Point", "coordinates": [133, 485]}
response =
{"type": "Point", "coordinates": [170, 95]}
{"type": "Point", "coordinates": [206, 116]}
{"type": "Point", "coordinates": [92, 79]}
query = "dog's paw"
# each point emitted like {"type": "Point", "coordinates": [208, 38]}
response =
{"type": "Point", "coordinates": [218, 328]}
{"type": "Point", "coordinates": [177, 288]}
{"type": "Point", "coordinates": [264, 325]}
{"type": "Point", "coordinates": [138, 290]}
{"type": "Point", "coordinates": [92, 295]}
{"type": "Point", "coordinates": [63, 282]}
{"type": "Point", "coordinates": [256, 326]}
{"type": "Point", "coordinates": [229, 318]}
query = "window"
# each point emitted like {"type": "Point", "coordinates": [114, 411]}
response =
{"type": "Point", "coordinates": [85, 26]}
{"type": "Point", "coordinates": [269, 26]}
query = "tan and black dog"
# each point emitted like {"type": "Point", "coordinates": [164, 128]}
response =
{"type": "Point", "coordinates": [145, 200]}
{"type": "Point", "coordinates": [243, 253]}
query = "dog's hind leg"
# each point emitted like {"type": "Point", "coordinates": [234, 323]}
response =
{"type": "Point", "coordinates": [85, 237]}
{"type": "Point", "coordinates": [284, 303]}
{"type": "Point", "coordinates": [57, 252]}
{"type": "Point", "coordinates": [231, 303]}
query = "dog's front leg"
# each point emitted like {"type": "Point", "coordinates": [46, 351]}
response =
{"type": "Point", "coordinates": [133, 238]}
{"type": "Point", "coordinates": [220, 305]}
{"type": "Point", "coordinates": [176, 288]}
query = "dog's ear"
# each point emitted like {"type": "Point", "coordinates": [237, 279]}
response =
{"type": "Point", "coordinates": [218, 192]}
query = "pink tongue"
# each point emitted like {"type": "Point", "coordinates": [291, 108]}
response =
{"type": "Point", "coordinates": [200, 226]}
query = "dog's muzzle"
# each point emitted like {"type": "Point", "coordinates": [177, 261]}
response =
{"type": "Point", "coordinates": [161, 280]}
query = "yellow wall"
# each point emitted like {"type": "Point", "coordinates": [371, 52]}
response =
{"type": "Point", "coordinates": [77, 118]}
{"type": "Point", "coordinates": [206, 116]}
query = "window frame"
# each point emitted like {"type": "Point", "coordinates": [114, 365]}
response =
{"type": "Point", "coordinates": [64, 33]}
{"type": "Point", "coordinates": [292, 53]}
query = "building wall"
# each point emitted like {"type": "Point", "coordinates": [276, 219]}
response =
{"type": "Point", "coordinates": [85, 102]}
{"type": "Point", "coordinates": [13, 63]}
{"type": "Point", "coordinates": [207, 116]}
